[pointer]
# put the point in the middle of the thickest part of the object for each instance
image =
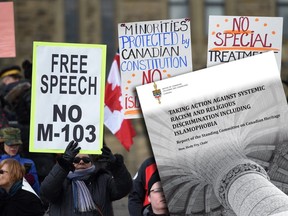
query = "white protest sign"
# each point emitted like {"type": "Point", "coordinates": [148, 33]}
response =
{"type": "Point", "coordinates": [68, 83]}
{"type": "Point", "coordinates": [151, 51]}
{"type": "Point", "coordinates": [234, 37]}
{"type": "Point", "coordinates": [201, 122]}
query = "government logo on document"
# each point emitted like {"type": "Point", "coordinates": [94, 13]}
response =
{"type": "Point", "coordinates": [157, 93]}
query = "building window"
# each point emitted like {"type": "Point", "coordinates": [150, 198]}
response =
{"type": "Point", "coordinates": [282, 11]}
{"type": "Point", "coordinates": [213, 7]}
{"type": "Point", "coordinates": [178, 9]}
{"type": "Point", "coordinates": [71, 21]}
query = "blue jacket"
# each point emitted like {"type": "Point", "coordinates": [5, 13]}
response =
{"type": "Point", "coordinates": [32, 171]}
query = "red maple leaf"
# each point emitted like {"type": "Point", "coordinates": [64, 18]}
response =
{"type": "Point", "coordinates": [112, 97]}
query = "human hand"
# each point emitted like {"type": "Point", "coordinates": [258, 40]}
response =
{"type": "Point", "coordinates": [71, 151]}
{"type": "Point", "coordinates": [107, 155]}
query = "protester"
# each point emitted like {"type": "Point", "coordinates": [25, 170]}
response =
{"type": "Point", "coordinates": [10, 148]}
{"type": "Point", "coordinates": [17, 95]}
{"type": "Point", "coordinates": [156, 197]}
{"type": "Point", "coordinates": [76, 186]}
{"type": "Point", "coordinates": [138, 197]}
{"type": "Point", "coordinates": [17, 98]}
{"type": "Point", "coordinates": [17, 198]}
{"type": "Point", "coordinates": [10, 74]}
{"type": "Point", "coordinates": [10, 77]}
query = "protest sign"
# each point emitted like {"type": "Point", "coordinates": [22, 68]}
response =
{"type": "Point", "coordinates": [7, 32]}
{"type": "Point", "coordinates": [235, 37]}
{"type": "Point", "coordinates": [202, 123]}
{"type": "Point", "coordinates": [150, 51]}
{"type": "Point", "coordinates": [67, 104]}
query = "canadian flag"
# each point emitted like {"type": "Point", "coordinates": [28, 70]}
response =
{"type": "Point", "coordinates": [113, 111]}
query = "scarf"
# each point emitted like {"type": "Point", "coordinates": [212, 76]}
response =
{"type": "Point", "coordinates": [12, 191]}
{"type": "Point", "coordinates": [15, 187]}
{"type": "Point", "coordinates": [82, 198]}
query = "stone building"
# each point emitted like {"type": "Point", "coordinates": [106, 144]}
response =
{"type": "Point", "coordinates": [96, 21]}
{"type": "Point", "coordinates": [87, 21]}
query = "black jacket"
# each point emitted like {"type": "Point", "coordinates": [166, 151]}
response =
{"type": "Point", "coordinates": [149, 212]}
{"type": "Point", "coordinates": [138, 197]}
{"type": "Point", "coordinates": [103, 186]}
{"type": "Point", "coordinates": [22, 203]}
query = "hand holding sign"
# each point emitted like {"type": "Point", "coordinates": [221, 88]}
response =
{"type": "Point", "coordinates": [67, 85]}
{"type": "Point", "coordinates": [66, 161]}
{"type": "Point", "coordinates": [107, 155]}
{"type": "Point", "coordinates": [71, 151]}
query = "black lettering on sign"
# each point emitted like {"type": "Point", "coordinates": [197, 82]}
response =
{"type": "Point", "coordinates": [68, 64]}
{"type": "Point", "coordinates": [44, 134]}
{"type": "Point", "coordinates": [65, 84]}
{"type": "Point", "coordinates": [74, 113]}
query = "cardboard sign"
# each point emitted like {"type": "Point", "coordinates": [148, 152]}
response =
{"type": "Point", "coordinates": [68, 83]}
{"type": "Point", "coordinates": [7, 32]}
{"type": "Point", "coordinates": [197, 130]}
{"type": "Point", "coordinates": [234, 37]}
{"type": "Point", "coordinates": [151, 51]}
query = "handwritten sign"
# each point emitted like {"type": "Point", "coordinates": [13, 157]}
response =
{"type": "Point", "coordinates": [7, 32]}
{"type": "Point", "coordinates": [67, 96]}
{"type": "Point", "coordinates": [151, 51]}
{"type": "Point", "coordinates": [198, 132]}
{"type": "Point", "coordinates": [234, 37]}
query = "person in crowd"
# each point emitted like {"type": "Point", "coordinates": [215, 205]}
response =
{"type": "Point", "coordinates": [16, 195]}
{"type": "Point", "coordinates": [17, 99]}
{"type": "Point", "coordinates": [138, 196]}
{"type": "Point", "coordinates": [10, 77]}
{"type": "Point", "coordinates": [10, 74]}
{"type": "Point", "coordinates": [17, 94]}
{"type": "Point", "coordinates": [77, 186]}
{"type": "Point", "coordinates": [10, 147]}
{"type": "Point", "coordinates": [158, 205]}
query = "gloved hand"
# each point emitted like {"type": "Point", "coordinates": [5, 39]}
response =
{"type": "Point", "coordinates": [71, 151]}
{"type": "Point", "coordinates": [107, 155]}
{"type": "Point", "coordinates": [66, 161]}
{"type": "Point", "coordinates": [111, 161]}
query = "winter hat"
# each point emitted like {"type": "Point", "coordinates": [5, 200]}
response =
{"type": "Point", "coordinates": [11, 136]}
{"type": "Point", "coordinates": [13, 70]}
{"type": "Point", "coordinates": [154, 178]}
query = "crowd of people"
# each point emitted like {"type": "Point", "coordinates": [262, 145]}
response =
{"type": "Point", "coordinates": [71, 183]}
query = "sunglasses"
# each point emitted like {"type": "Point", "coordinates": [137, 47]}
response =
{"type": "Point", "coordinates": [84, 159]}
{"type": "Point", "coordinates": [3, 171]}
